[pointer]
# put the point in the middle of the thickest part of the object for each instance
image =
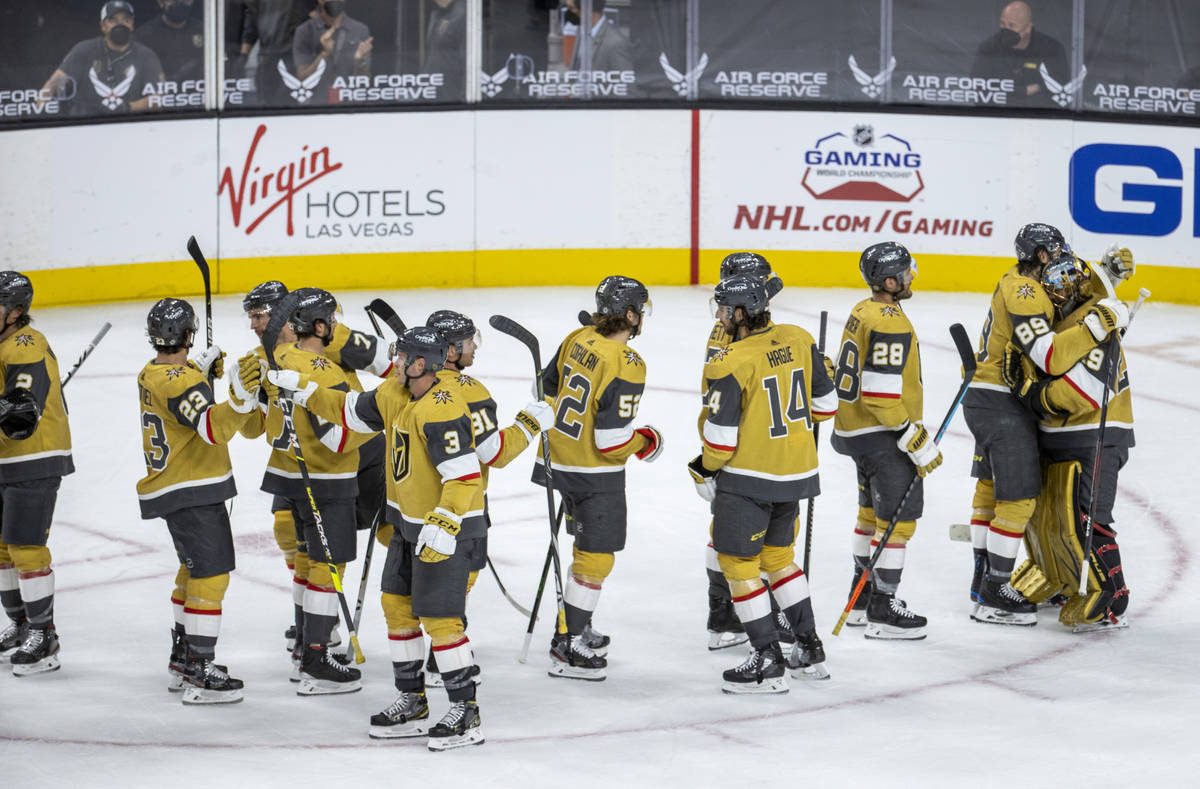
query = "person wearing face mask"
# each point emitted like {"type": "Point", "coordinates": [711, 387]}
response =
{"type": "Point", "coordinates": [106, 74]}
{"type": "Point", "coordinates": [1016, 51]}
{"type": "Point", "coordinates": [334, 41]}
{"type": "Point", "coordinates": [178, 38]}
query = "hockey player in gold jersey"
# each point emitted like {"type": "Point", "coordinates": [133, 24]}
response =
{"type": "Point", "coordinates": [596, 381]}
{"type": "Point", "coordinates": [1006, 463]}
{"type": "Point", "coordinates": [765, 392]}
{"type": "Point", "coordinates": [1068, 409]}
{"type": "Point", "coordinates": [495, 446]}
{"type": "Point", "coordinates": [188, 479]}
{"type": "Point", "coordinates": [878, 424]}
{"type": "Point", "coordinates": [331, 455]}
{"type": "Point", "coordinates": [35, 454]}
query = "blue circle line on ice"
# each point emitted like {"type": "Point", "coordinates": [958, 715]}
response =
{"type": "Point", "coordinates": [1181, 559]}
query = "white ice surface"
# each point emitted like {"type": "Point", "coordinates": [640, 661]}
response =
{"type": "Point", "coordinates": [972, 705]}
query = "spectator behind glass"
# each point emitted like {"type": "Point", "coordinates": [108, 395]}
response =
{"type": "Point", "coordinates": [271, 24]}
{"type": "Point", "coordinates": [1016, 51]}
{"type": "Point", "coordinates": [332, 40]}
{"type": "Point", "coordinates": [107, 74]}
{"type": "Point", "coordinates": [178, 39]}
{"type": "Point", "coordinates": [446, 44]}
{"type": "Point", "coordinates": [611, 49]}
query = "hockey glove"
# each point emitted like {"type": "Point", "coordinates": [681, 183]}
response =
{"type": "Point", "coordinates": [293, 385]}
{"type": "Point", "coordinates": [830, 370]}
{"type": "Point", "coordinates": [1017, 371]}
{"type": "Point", "coordinates": [19, 414]}
{"type": "Point", "coordinates": [439, 536]}
{"type": "Point", "coordinates": [244, 383]}
{"type": "Point", "coordinates": [1119, 262]}
{"type": "Point", "coordinates": [706, 481]}
{"type": "Point", "coordinates": [654, 443]}
{"type": "Point", "coordinates": [531, 418]}
{"type": "Point", "coordinates": [916, 443]}
{"type": "Point", "coordinates": [1106, 315]}
{"type": "Point", "coordinates": [211, 361]}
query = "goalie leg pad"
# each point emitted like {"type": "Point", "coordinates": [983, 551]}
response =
{"type": "Point", "coordinates": [1052, 539]}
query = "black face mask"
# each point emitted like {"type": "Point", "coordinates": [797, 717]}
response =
{"type": "Point", "coordinates": [572, 17]}
{"type": "Point", "coordinates": [334, 8]}
{"type": "Point", "coordinates": [177, 12]}
{"type": "Point", "coordinates": [120, 35]}
{"type": "Point", "coordinates": [1009, 38]}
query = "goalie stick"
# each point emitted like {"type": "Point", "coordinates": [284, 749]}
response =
{"type": "Point", "coordinates": [278, 315]}
{"type": "Point", "coordinates": [193, 249]}
{"type": "Point", "coordinates": [967, 354]}
{"type": "Point", "coordinates": [91, 346]}
{"type": "Point", "coordinates": [521, 334]}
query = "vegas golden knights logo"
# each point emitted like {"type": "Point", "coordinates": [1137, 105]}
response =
{"type": "Point", "coordinates": [400, 457]}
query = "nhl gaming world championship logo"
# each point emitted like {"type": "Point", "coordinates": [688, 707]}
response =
{"type": "Point", "coordinates": [872, 86]}
{"type": "Point", "coordinates": [681, 80]}
{"type": "Point", "coordinates": [1063, 95]}
{"type": "Point", "coordinates": [302, 89]}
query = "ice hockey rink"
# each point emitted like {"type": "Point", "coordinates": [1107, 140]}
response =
{"type": "Point", "coordinates": [971, 705]}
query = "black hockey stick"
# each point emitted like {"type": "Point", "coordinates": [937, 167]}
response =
{"type": "Point", "coordinates": [537, 598]}
{"type": "Point", "coordinates": [270, 335]}
{"type": "Point", "coordinates": [91, 346]}
{"type": "Point", "coordinates": [585, 318]}
{"type": "Point", "coordinates": [967, 354]}
{"type": "Point", "coordinates": [385, 311]}
{"type": "Point", "coordinates": [524, 336]}
{"type": "Point", "coordinates": [808, 528]}
{"type": "Point", "coordinates": [366, 571]}
{"type": "Point", "coordinates": [194, 250]}
{"type": "Point", "coordinates": [374, 323]}
{"type": "Point", "coordinates": [504, 590]}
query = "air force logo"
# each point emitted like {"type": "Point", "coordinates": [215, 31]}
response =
{"type": "Point", "coordinates": [112, 97]}
{"type": "Point", "coordinates": [872, 85]}
{"type": "Point", "coordinates": [1063, 95]}
{"type": "Point", "coordinates": [679, 80]}
{"type": "Point", "coordinates": [302, 90]}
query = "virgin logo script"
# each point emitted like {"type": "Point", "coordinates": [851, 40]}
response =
{"type": "Point", "coordinates": [275, 187]}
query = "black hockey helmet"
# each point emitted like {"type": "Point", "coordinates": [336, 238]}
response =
{"type": "Point", "coordinates": [265, 295]}
{"type": "Point", "coordinates": [1063, 278]}
{"type": "Point", "coordinates": [883, 260]}
{"type": "Point", "coordinates": [1038, 235]}
{"type": "Point", "coordinates": [454, 326]}
{"type": "Point", "coordinates": [169, 322]}
{"type": "Point", "coordinates": [311, 305]}
{"type": "Point", "coordinates": [750, 263]}
{"type": "Point", "coordinates": [15, 290]}
{"type": "Point", "coordinates": [741, 290]}
{"type": "Point", "coordinates": [423, 342]}
{"type": "Point", "coordinates": [616, 294]}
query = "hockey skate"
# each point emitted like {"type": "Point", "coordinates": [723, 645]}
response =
{"type": "Point", "coordinates": [724, 629]}
{"type": "Point", "coordinates": [596, 641]}
{"type": "Point", "coordinates": [209, 683]}
{"type": "Point", "coordinates": [407, 716]}
{"type": "Point", "coordinates": [459, 727]}
{"type": "Point", "coordinates": [977, 577]}
{"type": "Point", "coordinates": [12, 637]}
{"type": "Point", "coordinates": [807, 659]}
{"type": "Point", "coordinates": [889, 619]}
{"type": "Point", "coordinates": [571, 658]}
{"type": "Point", "coordinates": [38, 653]}
{"type": "Point", "coordinates": [433, 677]}
{"type": "Point", "coordinates": [761, 672]}
{"type": "Point", "coordinates": [1003, 605]}
{"type": "Point", "coordinates": [322, 673]}
{"type": "Point", "coordinates": [289, 636]}
{"type": "Point", "coordinates": [1111, 622]}
{"type": "Point", "coordinates": [177, 663]}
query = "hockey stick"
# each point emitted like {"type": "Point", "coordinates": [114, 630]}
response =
{"type": "Point", "coordinates": [585, 318]}
{"type": "Point", "coordinates": [967, 354]}
{"type": "Point", "coordinates": [374, 323]}
{"type": "Point", "coordinates": [521, 334]}
{"type": "Point", "coordinates": [504, 590]}
{"type": "Point", "coordinates": [91, 346]}
{"type": "Point", "coordinates": [385, 311]}
{"type": "Point", "coordinates": [366, 571]}
{"type": "Point", "coordinates": [1113, 358]}
{"type": "Point", "coordinates": [194, 249]}
{"type": "Point", "coordinates": [537, 598]}
{"type": "Point", "coordinates": [270, 335]}
{"type": "Point", "coordinates": [808, 528]}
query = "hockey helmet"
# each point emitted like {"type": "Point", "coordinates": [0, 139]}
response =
{"type": "Point", "coordinates": [169, 323]}
{"type": "Point", "coordinates": [423, 342]}
{"type": "Point", "coordinates": [264, 296]}
{"type": "Point", "coordinates": [311, 305]}
{"type": "Point", "coordinates": [15, 290]}
{"type": "Point", "coordinates": [616, 294]}
{"type": "Point", "coordinates": [1038, 235]}
{"type": "Point", "coordinates": [883, 260]}
{"type": "Point", "coordinates": [455, 327]}
{"type": "Point", "coordinates": [750, 263]}
{"type": "Point", "coordinates": [740, 290]}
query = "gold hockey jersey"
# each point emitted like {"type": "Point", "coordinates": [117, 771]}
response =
{"type": "Point", "coordinates": [431, 458]}
{"type": "Point", "coordinates": [1079, 393]}
{"type": "Point", "coordinates": [765, 392]}
{"type": "Point", "coordinates": [596, 384]}
{"type": "Point", "coordinates": [330, 452]}
{"type": "Point", "coordinates": [184, 436]}
{"type": "Point", "coordinates": [1021, 312]}
{"type": "Point", "coordinates": [877, 377]}
{"type": "Point", "coordinates": [495, 446]}
{"type": "Point", "coordinates": [27, 362]}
